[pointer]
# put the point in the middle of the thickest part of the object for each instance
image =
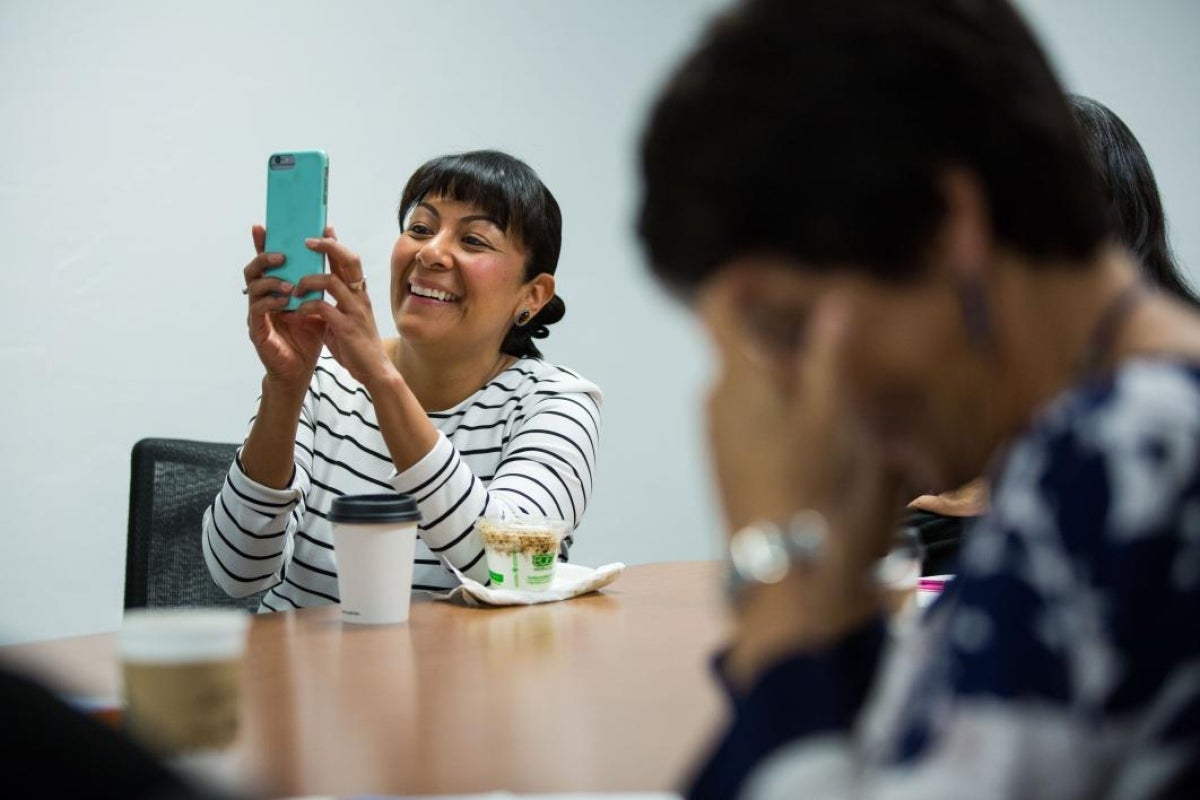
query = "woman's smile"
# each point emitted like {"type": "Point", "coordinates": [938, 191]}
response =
{"type": "Point", "coordinates": [428, 294]}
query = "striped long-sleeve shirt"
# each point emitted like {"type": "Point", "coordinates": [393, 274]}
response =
{"type": "Point", "coordinates": [525, 442]}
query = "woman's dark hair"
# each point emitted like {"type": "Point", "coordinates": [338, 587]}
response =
{"type": "Point", "coordinates": [1135, 212]}
{"type": "Point", "coordinates": [821, 130]}
{"type": "Point", "coordinates": [509, 191]}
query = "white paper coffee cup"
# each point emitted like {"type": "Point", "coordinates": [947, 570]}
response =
{"type": "Point", "coordinates": [374, 539]}
{"type": "Point", "coordinates": [181, 671]}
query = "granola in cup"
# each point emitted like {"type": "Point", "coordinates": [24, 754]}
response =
{"type": "Point", "coordinates": [522, 551]}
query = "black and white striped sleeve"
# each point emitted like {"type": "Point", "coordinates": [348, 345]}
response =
{"type": "Point", "coordinates": [247, 530]}
{"type": "Point", "coordinates": [546, 468]}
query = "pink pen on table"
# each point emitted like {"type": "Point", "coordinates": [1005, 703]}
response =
{"type": "Point", "coordinates": [929, 587]}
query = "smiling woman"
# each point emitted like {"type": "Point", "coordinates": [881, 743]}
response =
{"type": "Point", "coordinates": [458, 410]}
{"type": "Point", "coordinates": [476, 201]}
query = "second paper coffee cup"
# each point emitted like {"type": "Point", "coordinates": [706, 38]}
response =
{"type": "Point", "coordinates": [181, 677]}
{"type": "Point", "coordinates": [374, 537]}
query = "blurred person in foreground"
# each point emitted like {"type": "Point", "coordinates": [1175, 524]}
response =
{"type": "Point", "coordinates": [1136, 220]}
{"type": "Point", "coordinates": [886, 219]}
{"type": "Point", "coordinates": [53, 749]}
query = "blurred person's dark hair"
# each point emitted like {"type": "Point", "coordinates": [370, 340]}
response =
{"type": "Point", "coordinates": [821, 131]}
{"type": "Point", "coordinates": [1135, 211]}
{"type": "Point", "coordinates": [509, 191]}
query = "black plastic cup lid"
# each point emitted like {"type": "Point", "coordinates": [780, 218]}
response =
{"type": "Point", "coordinates": [372, 508]}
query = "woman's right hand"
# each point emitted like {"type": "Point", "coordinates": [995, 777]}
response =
{"type": "Point", "coordinates": [783, 437]}
{"type": "Point", "coordinates": [288, 344]}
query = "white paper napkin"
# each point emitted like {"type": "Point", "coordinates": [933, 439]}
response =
{"type": "Point", "coordinates": [570, 580]}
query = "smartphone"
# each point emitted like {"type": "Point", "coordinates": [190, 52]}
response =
{"type": "Point", "coordinates": [297, 197]}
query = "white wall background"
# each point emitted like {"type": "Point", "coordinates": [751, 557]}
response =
{"type": "Point", "coordinates": [134, 136]}
{"type": "Point", "coordinates": [1139, 58]}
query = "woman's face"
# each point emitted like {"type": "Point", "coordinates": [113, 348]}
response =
{"type": "Point", "coordinates": [904, 365]}
{"type": "Point", "coordinates": [457, 278]}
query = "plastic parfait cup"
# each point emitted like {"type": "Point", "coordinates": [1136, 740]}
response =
{"type": "Point", "coordinates": [522, 551]}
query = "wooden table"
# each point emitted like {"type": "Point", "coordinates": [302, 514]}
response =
{"type": "Point", "coordinates": [607, 692]}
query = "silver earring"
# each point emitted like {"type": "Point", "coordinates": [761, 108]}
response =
{"type": "Point", "coordinates": [523, 318]}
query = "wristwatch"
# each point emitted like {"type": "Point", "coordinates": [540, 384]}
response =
{"type": "Point", "coordinates": [765, 551]}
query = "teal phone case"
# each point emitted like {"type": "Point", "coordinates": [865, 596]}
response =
{"type": "Point", "coordinates": [297, 196]}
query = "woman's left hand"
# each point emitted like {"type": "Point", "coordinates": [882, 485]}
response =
{"type": "Point", "coordinates": [351, 333]}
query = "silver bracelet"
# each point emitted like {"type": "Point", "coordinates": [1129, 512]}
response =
{"type": "Point", "coordinates": [766, 552]}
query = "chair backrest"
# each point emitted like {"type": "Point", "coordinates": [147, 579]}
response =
{"type": "Point", "coordinates": [171, 483]}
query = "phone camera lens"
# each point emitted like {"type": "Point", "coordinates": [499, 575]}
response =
{"type": "Point", "coordinates": [276, 160]}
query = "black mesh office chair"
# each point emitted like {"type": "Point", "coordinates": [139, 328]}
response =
{"type": "Point", "coordinates": [171, 482]}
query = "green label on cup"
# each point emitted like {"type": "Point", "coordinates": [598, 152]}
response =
{"type": "Point", "coordinates": [539, 579]}
{"type": "Point", "coordinates": [495, 576]}
{"type": "Point", "coordinates": [543, 561]}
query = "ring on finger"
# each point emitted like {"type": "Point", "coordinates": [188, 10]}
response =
{"type": "Point", "coordinates": [358, 285]}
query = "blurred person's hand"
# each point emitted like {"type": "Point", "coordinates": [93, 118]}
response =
{"type": "Point", "coordinates": [783, 438]}
{"type": "Point", "coordinates": [969, 500]}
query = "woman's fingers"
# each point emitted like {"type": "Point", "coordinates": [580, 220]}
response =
{"type": "Point", "coordinates": [966, 501]}
{"type": "Point", "coordinates": [343, 261]}
{"type": "Point", "coordinates": [344, 281]}
{"type": "Point", "coordinates": [264, 294]}
{"type": "Point", "coordinates": [820, 359]}
{"type": "Point", "coordinates": [717, 305]}
{"type": "Point", "coordinates": [345, 295]}
{"type": "Point", "coordinates": [272, 288]}
{"type": "Point", "coordinates": [318, 309]}
{"type": "Point", "coordinates": [260, 264]}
